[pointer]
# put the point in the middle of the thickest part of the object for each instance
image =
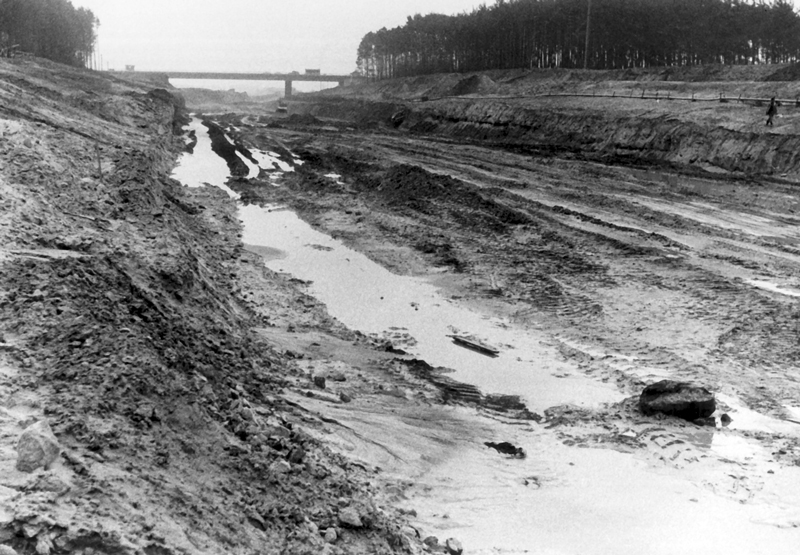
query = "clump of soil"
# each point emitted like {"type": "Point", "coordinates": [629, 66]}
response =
{"type": "Point", "coordinates": [475, 84]}
{"type": "Point", "coordinates": [301, 119]}
{"type": "Point", "coordinates": [417, 189]}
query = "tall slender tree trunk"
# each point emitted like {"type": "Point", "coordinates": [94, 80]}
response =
{"type": "Point", "coordinates": [588, 27]}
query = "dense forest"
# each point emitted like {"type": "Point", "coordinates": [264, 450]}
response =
{"type": "Point", "coordinates": [51, 29]}
{"type": "Point", "coordinates": [556, 33]}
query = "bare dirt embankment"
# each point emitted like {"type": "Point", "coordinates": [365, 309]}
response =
{"type": "Point", "coordinates": [125, 325]}
{"type": "Point", "coordinates": [597, 115]}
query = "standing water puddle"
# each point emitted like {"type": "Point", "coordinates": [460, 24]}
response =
{"type": "Point", "coordinates": [367, 297]}
{"type": "Point", "coordinates": [203, 167]}
{"type": "Point", "coordinates": [577, 501]}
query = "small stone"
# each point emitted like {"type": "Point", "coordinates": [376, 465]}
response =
{"type": "Point", "coordinates": [350, 517]}
{"type": "Point", "coordinates": [345, 398]}
{"type": "Point", "coordinates": [454, 546]}
{"type": "Point", "coordinates": [331, 536]}
{"type": "Point", "coordinates": [31, 530]}
{"type": "Point", "coordinates": [313, 528]}
{"type": "Point", "coordinates": [256, 520]}
{"type": "Point", "coordinates": [280, 467]}
{"type": "Point", "coordinates": [297, 455]}
{"type": "Point", "coordinates": [43, 545]}
{"type": "Point", "coordinates": [273, 427]}
{"type": "Point", "coordinates": [710, 421]}
{"type": "Point", "coordinates": [431, 541]}
{"type": "Point", "coordinates": [48, 482]}
{"type": "Point", "coordinates": [319, 381]}
{"type": "Point", "coordinates": [37, 447]}
{"type": "Point", "coordinates": [725, 419]}
{"type": "Point", "coordinates": [410, 531]}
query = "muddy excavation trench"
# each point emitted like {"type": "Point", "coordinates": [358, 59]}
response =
{"type": "Point", "coordinates": [381, 324]}
{"type": "Point", "coordinates": [591, 280]}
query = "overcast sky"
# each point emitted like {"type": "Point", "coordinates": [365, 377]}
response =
{"type": "Point", "coordinates": [247, 35]}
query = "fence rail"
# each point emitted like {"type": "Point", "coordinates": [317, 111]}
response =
{"type": "Point", "coordinates": [632, 95]}
{"type": "Point", "coordinates": [657, 96]}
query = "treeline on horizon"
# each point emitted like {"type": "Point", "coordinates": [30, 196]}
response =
{"type": "Point", "coordinates": [52, 29]}
{"type": "Point", "coordinates": [552, 34]}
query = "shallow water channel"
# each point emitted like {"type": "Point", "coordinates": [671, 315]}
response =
{"type": "Point", "coordinates": [587, 501]}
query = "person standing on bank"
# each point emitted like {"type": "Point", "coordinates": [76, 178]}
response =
{"type": "Point", "coordinates": [772, 111]}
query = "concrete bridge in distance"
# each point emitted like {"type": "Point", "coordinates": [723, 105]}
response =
{"type": "Point", "coordinates": [287, 78]}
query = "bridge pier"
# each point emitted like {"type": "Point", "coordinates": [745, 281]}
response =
{"type": "Point", "coordinates": [287, 90]}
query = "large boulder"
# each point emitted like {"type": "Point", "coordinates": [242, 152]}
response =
{"type": "Point", "coordinates": [680, 399]}
{"type": "Point", "coordinates": [37, 447]}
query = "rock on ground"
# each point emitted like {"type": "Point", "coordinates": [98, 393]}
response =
{"type": "Point", "coordinates": [330, 535]}
{"type": "Point", "coordinates": [37, 447]}
{"type": "Point", "coordinates": [350, 517]}
{"type": "Point", "coordinates": [454, 546]}
{"type": "Point", "coordinates": [680, 399]}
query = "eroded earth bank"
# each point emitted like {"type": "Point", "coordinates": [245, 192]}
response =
{"type": "Point", "coordinates": [212, 391]}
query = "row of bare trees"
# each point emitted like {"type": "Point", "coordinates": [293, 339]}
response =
{"type": "Point", "coordinates": [553, 33]}
{"type": "Point", "coordinates": [52, 29]}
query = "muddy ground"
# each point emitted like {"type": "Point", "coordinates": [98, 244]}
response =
{"type": "Point", "coordinates": [178, 373]}
{"type": "Point", "coordinates": [661, 253]}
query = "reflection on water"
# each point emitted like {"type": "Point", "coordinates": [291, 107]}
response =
{"type": "Point", "coordinates": [775, 288]}
{"type": "Point", "coordinates": [202, 167]}
{"type": "Point", "coordinates": [369, 298]}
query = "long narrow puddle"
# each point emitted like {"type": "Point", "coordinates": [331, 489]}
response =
{"type": "Point", "coordinates": [369, 298]}
{"type": "Point", "coordinates": [587, 501]}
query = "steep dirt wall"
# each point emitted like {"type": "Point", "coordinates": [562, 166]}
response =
{"type": "Point", "coordinates": [602, 134]}
{"type": "Point", "coordinates": [595, 132]}
{"type": "Point", "coordinates": [358, 111]}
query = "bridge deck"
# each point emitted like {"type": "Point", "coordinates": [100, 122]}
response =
{"type": "Point", "coordinates": [287, 78]}
{"type": "Point", "coordinates": [255, 76]}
